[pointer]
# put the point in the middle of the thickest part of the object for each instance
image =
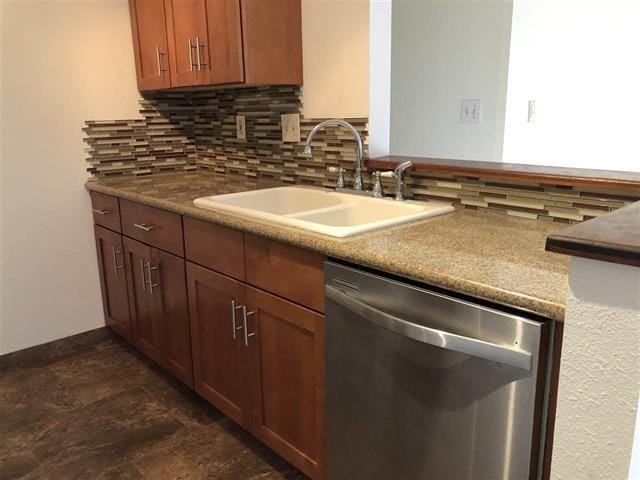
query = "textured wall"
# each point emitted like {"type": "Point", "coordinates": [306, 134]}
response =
{"type": "Point", "coordinates": [599, 373]}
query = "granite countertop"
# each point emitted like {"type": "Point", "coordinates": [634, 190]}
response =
{"type": "Point", "coordinates": [614, 237]}
{"type": "Point", "coordinates": [482, 254]}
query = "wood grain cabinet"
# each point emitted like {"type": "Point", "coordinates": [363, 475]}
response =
{"type": "Point", "coordinates": [158, 305]}
{"type": "Point", "coordinates": [287, 377]}
{"type": "Point", "coordinates": [150, 44]}
{"type": "Point", "coordinates": [240, 320]}
{"type": "Point", "coordinates": [115, 299]}
{"type": "Point", "coordinates": [183, 43]}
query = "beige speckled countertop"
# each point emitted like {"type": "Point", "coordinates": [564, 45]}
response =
{"type": "Point", "coordinates": [482, 254]}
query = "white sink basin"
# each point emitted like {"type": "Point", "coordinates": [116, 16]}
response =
{"type": "Point", "coordinates": [322, 211]}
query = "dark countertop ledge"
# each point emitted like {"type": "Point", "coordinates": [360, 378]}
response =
{"type": "Point", "coordinates": [486, 255]}
{"type": "Point", "coordinates": [614, 237]}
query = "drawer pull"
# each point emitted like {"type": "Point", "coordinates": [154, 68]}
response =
{"type": "Point", "coordinates": [144, 226]}
{"type": "Point", "coordinates": [100, 211]}
{"type": "Point", "coordinates": [247, 335]}
{"type": "Point", "coordinates": [115, 252]}
{"type": "Point", "coordinates": [150, 281]}
{"type": "Point", "coordinates": [234, 326]}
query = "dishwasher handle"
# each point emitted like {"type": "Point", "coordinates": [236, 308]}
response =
{"type": "Point", "coordinates": [431, 336]}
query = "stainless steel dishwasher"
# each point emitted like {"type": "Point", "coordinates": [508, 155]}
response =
{"type": "Point", "coordinates": [422, 385]}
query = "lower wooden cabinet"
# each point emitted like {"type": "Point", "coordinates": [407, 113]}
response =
{"type": "Point", "coordinates": [215, 309]}
{"type": "Point", "coordinates": [265, 370]}
{"type": "Point", "coordinates": [158, 304]}
{"type": "Point", "coordinates": [287, 378]}
{"type": "Point", "coordinates": [113, 281]}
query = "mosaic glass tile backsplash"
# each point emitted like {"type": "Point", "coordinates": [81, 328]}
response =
{"type": "Point", "coordinates": [196, 130]}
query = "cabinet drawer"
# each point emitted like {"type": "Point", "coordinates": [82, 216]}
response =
{"type": "Point", "coordinates": [106, 211]}
{"type": "Point", "coordinates": [152, 226]}
{"type": "Point", "coordinates": [218, 248]}
{"type": "Point", "coordinates": [289, 272]}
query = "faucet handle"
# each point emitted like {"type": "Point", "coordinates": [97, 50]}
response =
{"type": "Point", "coordinates": [340, 171]}
{"type": "Point", "coordinates": [387, 174]}
{"type": "Point", "coordinates": [377, 185]}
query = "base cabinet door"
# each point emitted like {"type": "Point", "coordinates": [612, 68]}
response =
{"type": "Point", "coordinates": [215, 310]}
{"type": "Point", "coordinates": [113, 281]}
{"type": "Point", "coordinates": [166, 279]}
{"type": "Point", "coordinates": [146, 333]}
{"type": "Point", "coordinates": [286, 378]}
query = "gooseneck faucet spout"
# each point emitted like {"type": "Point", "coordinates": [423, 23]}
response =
{"type": "Point", "coordinates": [398, 173]}
{"type": "Point", "coordinates": [357, 182]}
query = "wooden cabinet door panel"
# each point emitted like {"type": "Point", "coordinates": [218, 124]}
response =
{"type": "Point", "coordinates": [287, 379]}
{"type": "Point", "coordinates": [272, 42]}
{"type": "Point", "coordinates": [186, 29]}
{"type": "Point", "coordinates": [113, 281]}
{"type": "Point", "coordinates": [224, 42]}
{"type": "Point", "coordinates": [167, 286]}
{"type": "Point", "coordinates": [150, 47]}
{"type": "Point", "coordinates": [146, 334]}
{"type": "Point", "coordinates": [219, 367]}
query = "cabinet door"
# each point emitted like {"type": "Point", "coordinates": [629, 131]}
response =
{"type": "Point", "coordinates": [113, 281]}
{"type": "Point", "coordinates": [272, 42]}
{"type": "Point", "coordinates": [146, 332]}
{"type": "Point", "coordinates": [150, 47]}
{"type": "Point", "coordinates": [188, 42]}
{"type": "Point", "coordinates": [225, 42]}
{"type": "Point", "coordinates": [287, 379]}
{"type": "Point", "coordinates": [167, 286]}
{"type": "Point", "coordinates": [218, 353]}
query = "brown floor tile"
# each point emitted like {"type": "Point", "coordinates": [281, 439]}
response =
{"type": "Point", "coordinates": [29, 395]}
{"type": "Point", "coordinates": [109, 413]}
{"type": "Point", "coordinates": [102, 372]}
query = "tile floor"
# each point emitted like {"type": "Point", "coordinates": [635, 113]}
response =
{"type": "Point", "coordinates": [106, 412]}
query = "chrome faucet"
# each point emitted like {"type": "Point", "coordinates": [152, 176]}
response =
{"type": "Point", "coordinates": [398, 174]}
{"type": "Point", "coordinates": [357, 182]}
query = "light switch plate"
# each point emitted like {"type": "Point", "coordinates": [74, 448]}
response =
{"type": "Point", "coordinates": [241, 128]}
{"type": "Point", "coordinates": [290, 127]}
{"type": "Point", "coordinates": [471, 111]}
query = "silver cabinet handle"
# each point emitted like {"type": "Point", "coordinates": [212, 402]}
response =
{"type": "Point", "coordinates": [198, 59]}
{"type": "Point", "coordinates": [159, 56]}
{"type": "Point", "coordinates": [150, 281]}
{"type": "Point", "coordinates": [144, 226]}
{"type": "Point", "coordinates": [234, 326]}
{"type": "Point", "coordinates": [144, 280]}
{"type": "Point", "coordinates": [245, 316]}
{"type": "Point", "coordinates": [190, 56]}
{"type": "Point", "coordinates": [431, 336]}
{"type": "Point", "coordinates": [115, 252]}
{"type": "Point", "coordinates": [100, 211]}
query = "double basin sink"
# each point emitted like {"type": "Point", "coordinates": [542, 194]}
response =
{"type": "Point", "coordinates": [322, 211]}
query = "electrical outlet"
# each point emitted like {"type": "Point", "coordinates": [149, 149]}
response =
{"type": "Point", "coordinates": [470, 111]}
{"type": "Point", "coordinates": [241, 128]}
{"type": "Point", "coordinates": [290, 123]}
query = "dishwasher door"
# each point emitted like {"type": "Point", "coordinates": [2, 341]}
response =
{"type": "Point", "coordinates": [421, 385]}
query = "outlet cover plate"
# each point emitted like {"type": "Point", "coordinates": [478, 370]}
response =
{"type": "Point", "coordinates": [290, 123]}
{"type": "Point", "coordinates": [241, 128]}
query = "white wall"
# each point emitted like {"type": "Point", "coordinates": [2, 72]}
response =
{"type": "Point", "coordinates": [380, 14]}
{"type": "Point", "coordinates": [63, 62]}
{"type": "Point", "coordinates": [578, 60]}
{"type": "Point", "coordinates": [443, 51]}
{"type": "Point", "coordinates": [335, 43]}
{"type": "Point", "coordinates": [599, 373]}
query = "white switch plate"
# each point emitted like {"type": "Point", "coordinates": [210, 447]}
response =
{"type": "Point", "coordinates": [290, 127]}
{"type": "Point", "coordinates": [471, 111]}
{"type": "Point", "coordinates": [241, 128]}
{"type": "Point", "coordinates": [531, 115]}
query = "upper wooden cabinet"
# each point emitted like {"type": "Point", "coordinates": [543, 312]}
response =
{"type": "Point", "coordinates": [182, 43]}
{"type": "Point", "coordinates": [150, 45]}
